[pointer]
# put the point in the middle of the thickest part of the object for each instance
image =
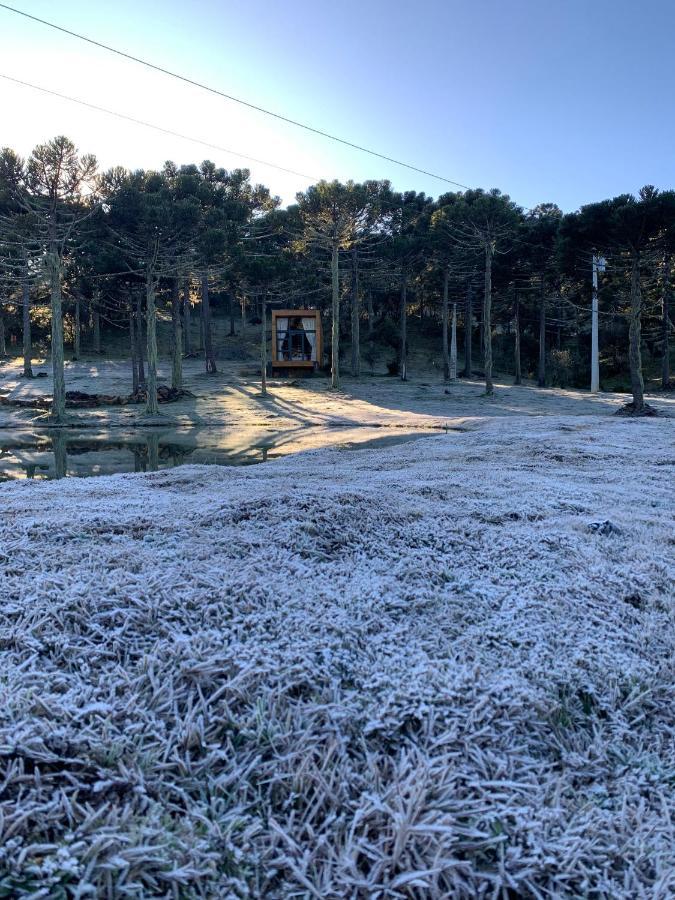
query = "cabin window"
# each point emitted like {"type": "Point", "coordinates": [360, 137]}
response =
{"type": "Point", "coordinates": [296, 338]}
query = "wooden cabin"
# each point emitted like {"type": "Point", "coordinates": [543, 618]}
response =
{"type": "Point", "coordinates": [296, 339]}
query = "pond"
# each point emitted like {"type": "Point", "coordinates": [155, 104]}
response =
{"type": "Point", "coordinates": [57, 453]}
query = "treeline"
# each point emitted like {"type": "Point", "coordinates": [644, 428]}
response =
{"type": "Point", "coordinates": [114, 249]}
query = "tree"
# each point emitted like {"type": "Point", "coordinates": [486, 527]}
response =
{"type": "Point", "coordinates": [409, 216]}
{"type": "Point", "coordinates": [537, 262]}
{"type": "Point", "coordinates": [231, 212]}
{"type": "Point", "coordinates": [58, 189]}
{"type": "Point", "coordinates": [336, 217]}
{"type": "Point", "coordinates": [154, 228]}
{"type": "Point", "coordinates": [624, 228]}
{"type": "Point", "coordinates": [486, 223]}
{"type": "Point", "coordinates": [667, 200]}
{"type": "Point", "coordinates": [456, 265]}
{"type": "Point", "coordinates": [20, 256]}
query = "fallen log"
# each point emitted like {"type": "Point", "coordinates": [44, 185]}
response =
{"type": "Point", "coordinates": [83, 399]}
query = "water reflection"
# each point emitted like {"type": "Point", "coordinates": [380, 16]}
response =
{"type": "Point", "coordinates": [57, 454]}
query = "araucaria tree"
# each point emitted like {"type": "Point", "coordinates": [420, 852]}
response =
{"type": "Point", "coordinates": [57, 189]}
{"type": "Point", "coordinates": [539, 234]}
{"type": "Point", "coordinates": [486, 223]}
{"type": "Point", "coordinates": [20, 253]}
{"type": "Point", "coordinates": [154, 229]}
{"type": "Point", "coordinates": [119, 252]}
{"type": "Point", "coordinates": [407, 222]}
{"type": "Point", "coordinates": [627, 230]}
{"type": "Point", "coordinates": [335, 217]}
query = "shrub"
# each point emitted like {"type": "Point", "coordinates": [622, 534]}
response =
{"type": "Point", "coordinates": [560, 368]}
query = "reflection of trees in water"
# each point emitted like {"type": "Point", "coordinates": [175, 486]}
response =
{"type": "Point", "coordinates": [140, 457]}
{"type": "Point", "coordinates": [148, 454]}
{"type": "Point", "coordinates": [264, 449]}
{"type": "Point", "coordinates": [60, 448]}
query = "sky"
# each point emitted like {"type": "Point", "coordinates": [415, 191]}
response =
{"type": "Point", "coordinates": [565, 101]}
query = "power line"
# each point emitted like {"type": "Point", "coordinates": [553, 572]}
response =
{"type": "Point", "coordinates": [185, 137]}
{"type": "Point", "coordinates": [219, 93]}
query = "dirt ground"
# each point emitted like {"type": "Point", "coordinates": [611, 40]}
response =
{"type": "Point", "coordinates": [232, 399]}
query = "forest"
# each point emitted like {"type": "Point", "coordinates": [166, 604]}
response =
{"type": "Point", "coordinates": [425, 650]}
{"type": "Point", "coordinates": [90, 257]}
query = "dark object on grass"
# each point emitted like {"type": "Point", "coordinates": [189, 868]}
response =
{"type": "Point", "coordinates": [635, 600]}
{"type": "Point", "coordinates": [605, 527]}
{"type": "Point", "coordinates": [629, 410]}
{"type": "Point", "coordinates": [81, 399]}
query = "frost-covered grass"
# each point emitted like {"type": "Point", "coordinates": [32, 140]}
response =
{"type": "Point", "coordinates": [417, 672]}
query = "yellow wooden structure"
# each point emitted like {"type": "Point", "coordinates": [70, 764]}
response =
{"type": "Point", "coordinates": [297, 342]}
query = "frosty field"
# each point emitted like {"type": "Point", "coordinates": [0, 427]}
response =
{"type": "Point", "coordinates": [445, 668]}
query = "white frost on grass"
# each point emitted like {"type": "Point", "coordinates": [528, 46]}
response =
{"type": "Point", "coordinates": [415, 672]}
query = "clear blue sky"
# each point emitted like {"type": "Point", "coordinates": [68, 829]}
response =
{"type": "Point", "coordinates": [556, 101]}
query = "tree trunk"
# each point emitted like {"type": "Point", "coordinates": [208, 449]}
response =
{"type": "Point", "coordinates": [201, 324]}
{"type": "Point", "coordinates": [453, 344]}
{"type": "Point", "coordinates": [665, 325]}
{"type": "Point", "coordinates": [151, 406]}
{"type": "Point", "coordinates": [139, 341]}
{"type": "Point", "coordinates": [153, 451]}
{"type": "Point", "coordinates": [487, 321]}
{"type": "Point", "coordinates": [59, 396]}
{"type": "Point", "coordinates": [634, 336]}
{"type": "Point", "coordinates": [187, 323]}
{"type": "Point", "coordinates": [444, 313]}
{"type": "Point", "coordinates": [60, 454]}
{"type": "Point", "coordinates": [140, 460]}
{"type": "Point", "coordinates": [468, 332]}
{"type": "Point", "coordinates": [371, 314]}
{"type": "Point", "coordinates": [96, 316]}
{"type": "Point", "coordinates": [233, 332]}
{"type": "Point", "coordinates": [403, 336]}
{"type": "Point", "coordinates": [335, 332]}
{"type": "Point", "coordinates": [516, 327]}
{"type": "Point", "coordinates": [3, 339]}
{"type": "Point", "coordinates": [77, 335]}
{"type": "Point", "coordinates": [210, 359]}
{"type": "Point", "coordinates": [243, 315]}
{"type": "Point", "coordinates": [541, 371]}
{"type": "Point", "coordinates": [134, 353]}
{"type": "Point", "coordinates": [263, 346]}
{"type": "Point", "coordinates": [481, 336]}
{"type": "Point", "coordinates": [356, 323]}
{"type": "Point", "coordinates": [27, 337]}
{"type": "Point", "coordinates": [177, 358]}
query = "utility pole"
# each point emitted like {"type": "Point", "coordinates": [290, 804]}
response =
{"type": "Point", "coordinates": [599, 263]}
